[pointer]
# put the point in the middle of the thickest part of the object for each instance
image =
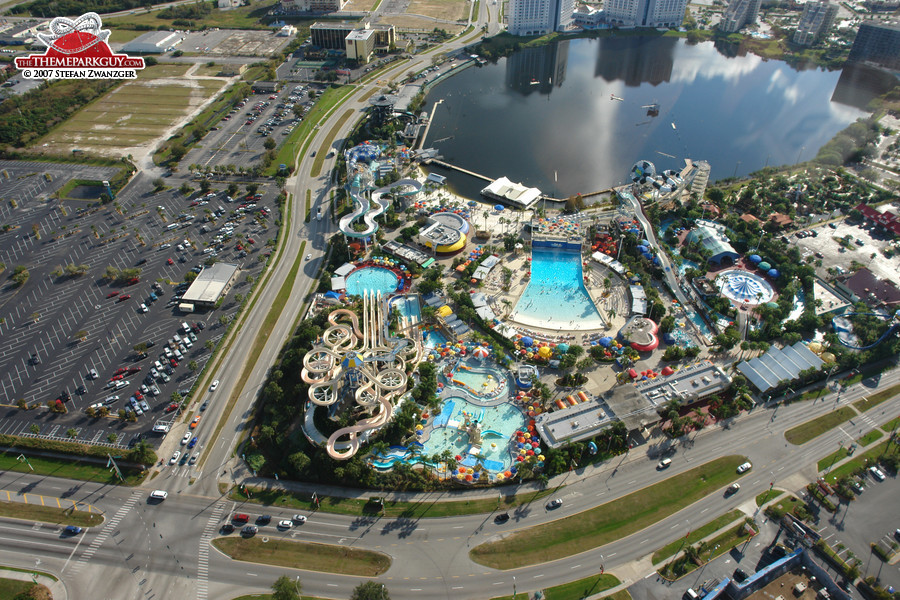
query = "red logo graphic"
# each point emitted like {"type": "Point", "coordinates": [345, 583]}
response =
{"type": "Point", "coordinates": [77, 49]}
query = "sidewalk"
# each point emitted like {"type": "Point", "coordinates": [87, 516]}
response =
{"type": "Point", "coordinates": [56, 586]}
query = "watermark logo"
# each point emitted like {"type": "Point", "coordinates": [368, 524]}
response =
{"type": "Point", "coordinates": [77, 49]}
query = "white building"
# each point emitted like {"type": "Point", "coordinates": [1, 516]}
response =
{"type": "Point", "coordinates": [287, 31]}
{"type": "Point", "coordinates": [155, 42]}
{"type": "Point", "coordinates": [539, 17]}
{"type": "Point", "coordinates": [739, 14]}
{"type": "Point", "coordinates": [508, 192]}
{"type": "Point", "coordinates": [588, 16]}
{"type": "Point", "coordinates": [645, 13]}
{"type": "Point", "coordinates": [229, 3]}
{"type": "Point", "coordinates": [815, 22]}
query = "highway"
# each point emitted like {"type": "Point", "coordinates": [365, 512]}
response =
{"type": "Point", "coordinates": [148, 549]}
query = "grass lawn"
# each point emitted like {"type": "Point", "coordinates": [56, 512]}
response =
{"type": "Point", "coordinates": [859, 461]}
{"type": "Point", "coordinates": [811, 429]}
{"type": "Point", "coordinates": [68, 468]}
{"type": "Point", "coordinates": [244, 17]}
{"type": "Point", "coordinates": [620, 595]}
{"type": "Point", "coordinates": [411, 510]}
{"type": "Point", "coordinates": [208, 71]}
{"type": "Point", "coordinates": [832, 458]}
{"type": "Point", "coordinates": [322, 154]}
{"type": "Point", "coordinates": [324, 558]}
{"type": "Point", "coordinates": [869, 437]}
{"type": "Point", "coordinates": [575, 590]}
{"type": "Point", "coordinates": [785, 505]}
{"type": "Point", "coordinates": [876, 398]}
{"type": "Point", "coordinates": [713, 548]}
{"type": "Point", "coordinates": [892, 424]}
{"type": "Point", "coordinates": [120, 36]}
{"type": "Point", "coordinates": [766, 496]}
{"type": "Point", "coordinates": [271, 597]}
{"type": "Point", "coordinates": [696, 535]}
{"type": "Point", "coordinates": [49, 514]}
{"type": "Point", "coordinates": [608, 522]}
{"type": "Point", "coordinates": [10, 588]}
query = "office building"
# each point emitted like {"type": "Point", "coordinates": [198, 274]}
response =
{"type": "Point", "coordinates": [739, 14]}
{"type": "Point", "coordinates": [645, 13]}
{"type": "Point", "coordinates": [332, 35]}
{"type": "Point", "coordinates": [539, 17]}
{"type": "Point", "coordinates": [360, 45]}
{"type": "Point", "coordinates": [816, 20]}
{"type": "Point", "coordinates": [878, 44]}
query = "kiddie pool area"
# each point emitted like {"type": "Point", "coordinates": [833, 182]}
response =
{"type": "Point", "coordinates": [480, 426]}
{"type": "Point", "coordinates": [371, 279]}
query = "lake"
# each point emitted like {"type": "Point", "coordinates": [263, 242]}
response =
{"type": "Point", "coordinates": [571, 117]}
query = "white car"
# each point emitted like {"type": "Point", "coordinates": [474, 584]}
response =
{"type": "Point", "coordinates": [876, 473]}
{"type": "Point", "coordinates": [285, 524]}
{"type": "Point", "coordinates": [175, 457]}
{"type": "Point", "coordinates": [214, 385]}
{"type": "Point", "coordinates": [744, 467]}
{"type": "Point", "coordinates": [187, 437]}
{"type": "Point", "coordinates": [299, 519]}
{"type": "Point", "coordinates": [159, 495]}
{"type": "Point", "coordinates": [308, 256]}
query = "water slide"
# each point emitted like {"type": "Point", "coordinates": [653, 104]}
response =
{"type": "Point", "coordinates": [491, 433]}
{"type": "Point", "coordinates": [364, 208]}
{"type": "Point", "coordinates": [843, 332]}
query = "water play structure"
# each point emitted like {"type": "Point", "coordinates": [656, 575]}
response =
{"type": "Point", "coordinates": [362, 365]}
{"type": "Point", "coordinates": [744, 287]}
{"type": "Point", "coordinates": [362, 170]}
{"type": "Point", "coordinates": [844, 329]}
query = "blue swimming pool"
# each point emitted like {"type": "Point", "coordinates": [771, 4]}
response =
{"type": "Point", "coordinates": [433, 338]}
{"type": "Point", "coordinates": [556, 298]}
{"type": "Point", "coordinates": [371, 279]}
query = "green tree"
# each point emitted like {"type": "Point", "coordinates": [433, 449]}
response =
{"type": "Point", "coordinates": [72, 432]}
{"type": "Point", "coordinates": [269, 144]}
{"type": "Point", "coordinates": [370, 590]}
{"type": "Point", "coordinates": [193, 366]}
{"type": "Point", "coordinates": [286, 589]}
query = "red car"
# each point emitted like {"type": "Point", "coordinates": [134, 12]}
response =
{"type": "Point", "coordinates": [251, 241]}
{"type": "Point", "coordinates": [121, 370]}
{"type": "Point", "coordinates": [195, 203]}
{"type": "Point", "coordinates": [173, 406]}
{"type": "Point", "coordinates": [173, 362]}
{"type": "Point", "coordinates": [124, 298]}
{"type": "Point", "coordinates": [138, 395]}
{"type": "Point", "coordinates": [117, 378]}
{"type": "Point", "coordinates": [133, 281]}
{"type": "Point", "coordinates": [170, 261]}
{"type": "Point", "coordinates": [133, 370]}
{"type": "Point", "coordinates": [112, 294]}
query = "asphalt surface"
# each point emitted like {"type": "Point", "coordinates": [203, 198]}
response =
{"type": "Point", "coordinates": [161, 548]}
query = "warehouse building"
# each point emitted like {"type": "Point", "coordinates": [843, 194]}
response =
{"type": "Point", "coordinates": [155, 42]}
{"type": "Point", "coordinates": [211, 285]}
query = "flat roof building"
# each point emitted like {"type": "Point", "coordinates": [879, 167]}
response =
{"type": "Point", "coordinates": [877, 43]}
{"type": "Point", "coordinates": [212, 284]}
{"type": "Point", "coordinates": [516, 194]}
{"type": "Point", "coordinates": [360, 45]}
{"type": "Point", "coordinates": [687, 385]}
{"type": "Point", "coordinates": [779, 366]}
{"type": "Point", "coordinates": [155, 42]}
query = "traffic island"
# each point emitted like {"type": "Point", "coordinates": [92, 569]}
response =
{"type": "Point", "coordinates": [324, 558]}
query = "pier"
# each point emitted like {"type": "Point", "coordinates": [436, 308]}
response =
{"type": "Point", "coordinates": [446, 165]}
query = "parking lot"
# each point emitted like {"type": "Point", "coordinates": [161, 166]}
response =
{"type": "Point", "coordinates": [834, 254]}
{"type": "Point", "coordinates": [239, 142]}
{"type": "Point", "coordinates": [55, 329]}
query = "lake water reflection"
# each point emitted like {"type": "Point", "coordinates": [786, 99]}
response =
{"type": "Point", "coordinates": [571, 117]}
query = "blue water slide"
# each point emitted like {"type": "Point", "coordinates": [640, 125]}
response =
{"type": "Point", "coordinates": [492, 433]}
{"type": "Point", "coordinates": [892, 330]}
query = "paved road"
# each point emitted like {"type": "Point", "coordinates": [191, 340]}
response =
{"type": "Point", "coordinates": [160, 547]}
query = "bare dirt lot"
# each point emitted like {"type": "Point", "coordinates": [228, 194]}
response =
{"type": "Point", "coordinates": [134, 114]}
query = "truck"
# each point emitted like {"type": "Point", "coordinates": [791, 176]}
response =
{"type": "Point", "coordinates": [186, 307]}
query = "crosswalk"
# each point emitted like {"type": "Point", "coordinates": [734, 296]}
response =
{"type": "Point", "coordinates": [203, 553]}
{"type": "Point", "coordinates": [110, 526]}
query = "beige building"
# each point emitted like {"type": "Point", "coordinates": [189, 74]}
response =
{"type": "Point", "coordinates": [360, 45]}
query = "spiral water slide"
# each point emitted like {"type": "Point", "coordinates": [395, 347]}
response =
{"type": "Point", "coordinates": [843, 328]}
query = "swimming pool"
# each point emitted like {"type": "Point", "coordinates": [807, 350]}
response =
{"type": "Point", "coordinates": [497, 425]}
{"type": "Point", "coordinates": [371, 279]}
{"type": "Point", "coordinates": [433, 338]}
{"type": "Point", "coordinates": [556, 298]}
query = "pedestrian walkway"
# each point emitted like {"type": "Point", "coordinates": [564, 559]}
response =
{"type": "Point", "coordinates": [51, 501]}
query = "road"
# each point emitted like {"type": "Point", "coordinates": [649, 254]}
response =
{"type": "Point", "coordinates": [155, 549]}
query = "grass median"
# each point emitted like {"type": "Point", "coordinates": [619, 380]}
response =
{"type": "Point", "coordinates": [68, 468]}
{"type": "Point", "coordinates": [608, 522]}
{"type": "Point", "coordinates": [696, 535]}
{"type": "Point", "coordinates": [50, 514]}
{"type": "Point", "coordinates": [323, 558]}
{"type": "Point", "coordinates": [876, 398]}
{"type": "Point", "coordinates": [411, 510]}
{"type": "Point", "coordinates": [860, 460]}
{"type": "Point", "coordinates": [574, 590]}
{"type": "Point", "coordinates": [329, 139]}
{"type": "Point", "coordinates": [805, 432]}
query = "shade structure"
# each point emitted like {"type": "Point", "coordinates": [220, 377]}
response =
{"type": "Point", "coordinates": [667, 371]}
{"type": "Point", "coordinates": [764, 266]}
{"type": "Point", "coordinates": [755, 259]}
{"type": "Point", "coordinates": [773, 273]}
{"type": "Point", "coordinates": [498, 207]}
{"type": "Point", "coordinates": [527, 341]}
{"type": "Point", "coordinates": [562, 348]}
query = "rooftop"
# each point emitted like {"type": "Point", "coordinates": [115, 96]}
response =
{"type": "Point", "coordinates": [517, 194]}
{"type": "Point", "coordinates": [210, 283]}
{"type": "Point", "coordinates": [872, 290]}
{"type": "Point", "coordinates": [778, 365]}
{"type": "Point", "coordinates": [689, 384]}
